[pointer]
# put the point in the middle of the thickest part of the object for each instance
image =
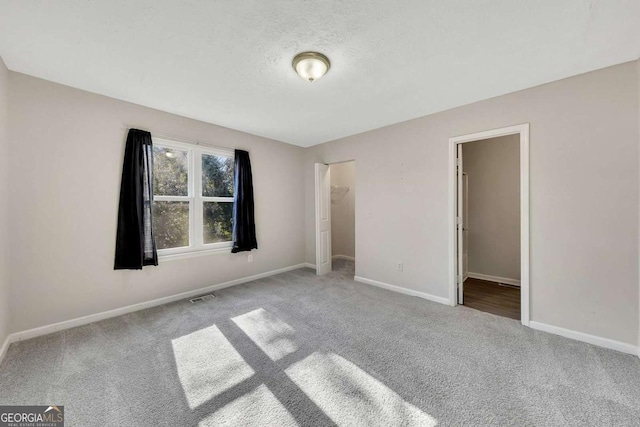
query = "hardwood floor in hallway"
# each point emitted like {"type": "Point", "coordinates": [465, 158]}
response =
{"type": "Point", "coordinates": [491, 297]}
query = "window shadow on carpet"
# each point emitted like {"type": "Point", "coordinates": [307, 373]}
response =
{"type": "Point", "coordinates": [251, 370]}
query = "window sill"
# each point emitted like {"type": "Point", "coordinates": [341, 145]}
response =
{"type": "Point", "coordinates": [193, 254]}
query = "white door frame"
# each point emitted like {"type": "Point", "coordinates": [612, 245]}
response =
{"type": "Point", "coordinates": [460, 224]}
{"type": "Point", "coordinates": [523, 131]}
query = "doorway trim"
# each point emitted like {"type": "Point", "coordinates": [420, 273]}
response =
{"type": "Point", "coordinates": [316, 207]}
{"type": "Point", "coordinates": [523, 131]}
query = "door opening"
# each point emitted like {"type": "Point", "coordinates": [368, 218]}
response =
{"type": "Point", "coordinates": [335, 217]}
{"type": "Point", "coordinates": [489, 232]}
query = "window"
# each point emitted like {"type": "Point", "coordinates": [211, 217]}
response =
{"type": "Point", "coordinates": [192, 197]}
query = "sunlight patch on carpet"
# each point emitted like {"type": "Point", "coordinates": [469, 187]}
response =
{"type": "Point", "coordinates": [207, 365]}
{"type": "Point", "coordinates": [352, 397]}
{"type": "Point", "coordinates": [271, 334]}
{"type": "Point", "coordinates": [258, 407]}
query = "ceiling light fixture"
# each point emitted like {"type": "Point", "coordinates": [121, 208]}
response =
{"type": "Point", "coordinates": [311, 65]}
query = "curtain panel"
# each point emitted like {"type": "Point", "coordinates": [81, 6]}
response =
{"type": "Point", "coordinates": [135, 245]}
{"type": "Point", "coordinates": [244, 226]}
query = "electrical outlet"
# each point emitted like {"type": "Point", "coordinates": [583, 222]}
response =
{"type": "Point", "coordinates": [250, 258]}
{"type": "Point", "coordinates": [400, 266]}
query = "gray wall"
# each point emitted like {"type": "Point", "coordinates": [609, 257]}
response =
{"type": "Point", "coordinates": [4, 204]}
{"type": "Point", "coordinates": [493, 173]}
{"type": "Point", "coordinates": [583, 194]}
{"type": "Point", "coordinates": [343, 221]}
{"type": "Point", "coordinates": [67, 148]}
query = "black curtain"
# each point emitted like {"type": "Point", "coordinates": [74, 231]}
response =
{"type": "Point", "coordinates": [244, 225]}
{"type": "Point", "coordinates": [135, 245]}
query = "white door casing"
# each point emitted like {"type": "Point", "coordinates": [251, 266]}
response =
{"type": "Point", "coordinates": [460, 226]}
{"type": "Point", "coordinates": [323, 218]}
{"type": "Point", "coordinates": [465, 228]}
{"type": "Point", "coordinates": [523, 131]}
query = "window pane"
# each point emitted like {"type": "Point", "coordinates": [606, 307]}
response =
{"type": "Point", "coordinates": [171, 224]}
{"type": "Point", "coordinates": [217, 176]}
{"type": "Point", "coordinates": [217, 222]}
{"type": "Point", "coordinates": [170, 172]}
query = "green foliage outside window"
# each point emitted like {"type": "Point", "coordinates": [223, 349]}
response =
{"type": "Point", "coordinates": [171, 178]}
{"type": "Point", "coordinates": [217, 181]}
{"type": "Point", "coordinates": [170, 172]}
{"type": "Point", "coordinates": [171, 224]}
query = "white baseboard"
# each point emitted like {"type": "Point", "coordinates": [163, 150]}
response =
{"type": "Point", "coordinates": [505, 280]}
{"type": "Point", "coordinates": [345, 257]}
{"type": "Point", "coordinates": [67, 324]}
{"type": "Point", "coordinates": [44, 330]}
{"type": "Point", "coordinates": [401, 290]}
{"type": "Point", "coordinates": [591, 339]}
{"type": "Point", "coordinates": [4, 348]}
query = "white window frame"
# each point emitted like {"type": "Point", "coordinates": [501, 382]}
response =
{"type": "Point", "coordinates": [196, 200]}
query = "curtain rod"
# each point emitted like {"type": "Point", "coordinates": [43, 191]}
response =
{"type": "Point", "coordinates": [179, 139]}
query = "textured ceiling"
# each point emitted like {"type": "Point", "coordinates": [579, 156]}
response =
{"type": "Point", "coordinates": [229, 62]}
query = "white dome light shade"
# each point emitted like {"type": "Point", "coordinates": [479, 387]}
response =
{"type": "Point", "coordinates": [311, 65]}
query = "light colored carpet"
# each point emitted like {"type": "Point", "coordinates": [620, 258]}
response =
{"type": "Point", "coordinates": [297, 349]}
